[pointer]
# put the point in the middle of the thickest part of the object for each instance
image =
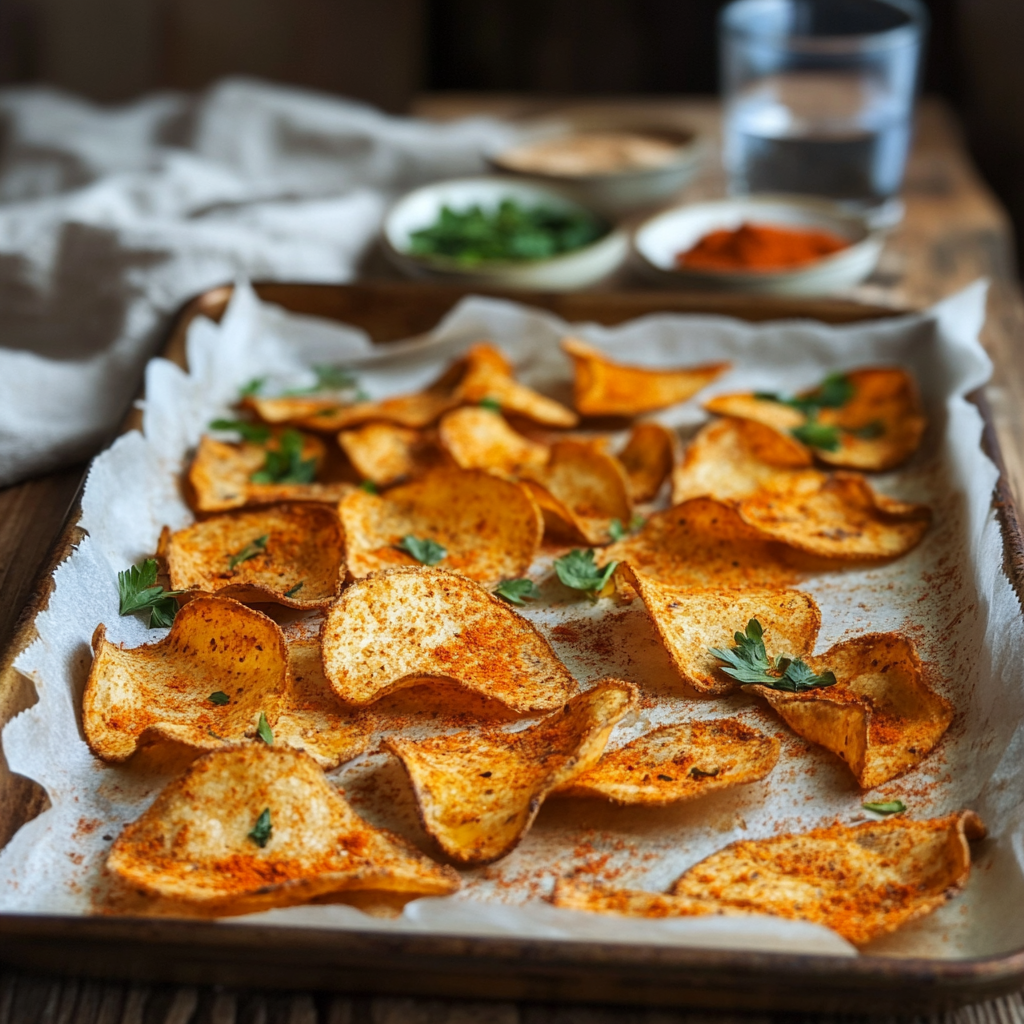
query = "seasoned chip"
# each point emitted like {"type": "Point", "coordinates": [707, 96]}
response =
{"type": "Point", "coordinates": [605, 388]}
{"type": "Point", "coordinates": [586, 490]}
{"type": "Point", "coordinates": [862, 882]}
{"type": "Point", "coordinates": [704, 543]}
{"type": "Point", "coordinates": [881, 717]}
{"type": "Point", "coordinates": [691, 620]}
{"type": "Point", "coordinates": [220, 477]}
{"type": "Point", "coordinates": [384, 453]}
{"type": "Point", "coordinates": [489, 529]}
{"type": "Point", "coordinates": [679, 762]}
{"type": "Point", "coordinates": [479, 438]}
{"type": "Point", "coordinates": [259, 827]}
{"type": "Point", "coordinates": [648, 459]}
{"type": "Point", "coordinates": [288, 554]}
{"type": "Point", "coordinates": [478, 792]}
{"type": "Point", "coordinates": [410, 626]}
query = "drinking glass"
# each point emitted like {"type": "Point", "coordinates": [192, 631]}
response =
{"type": "Point", "coordinates": [819, 98]}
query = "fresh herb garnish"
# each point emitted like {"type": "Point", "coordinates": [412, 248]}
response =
{"type": "Point", "coordinates": [423, 549]}
{"type": "Point", "coordinates": [616, 530]}
{"type": "Point", "coordinates": [370, 487]}
{"type": "Point", "coordinates": [251, 550]}
{"type": "Point", "coordinates": [294, 590]}
{"type": "Point", "coordinates": [490, 403]}
{"type": "Point", "coordinates": [257, 433]}
{"type": "Point", "coordinates": [876, 428]}
{"type": "Point", "coordinates": [260, 833]}
{"type": "Point", "coordinates": [748, 662]}
{"type": "Point", "coordinates": [578, 571]}
{"type": "Point", "coordinates": [138, 591]}
{"type": "Point", "coordinates": [263, 730]}
{"type": "Point", "coordinates": [517, 591]}
{"type": "Point", "coordinates": [254, 387]}
{"type": "Point", "coordinates": [817, 435]}
{"type": "Point", "coordinates": [636, 523]}
{"type": "Point", "coordinates": [331, 378]}
{"type": "Point", "coordinates": [886, 807]}
{"type": "Point", "coordinates": [832, 393]}
{"type": "Point", "coordinates": [219, 697]}
{"type": "Point", "coordinates": [285, 465]}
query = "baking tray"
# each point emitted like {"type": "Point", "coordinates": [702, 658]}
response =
{"type": "Point", "coordinates": [495, 968]}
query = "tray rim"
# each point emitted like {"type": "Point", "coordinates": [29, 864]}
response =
{"type": "Point", "coordinates": [435, 964]}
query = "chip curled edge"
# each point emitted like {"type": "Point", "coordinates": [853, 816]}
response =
{"type": "Point", "coordinates": [291, 554]}
{"type": "Point", "coordinates": [489, 528]}
{"type": "Point", "coordinates": [880, 717]}
{"type": "Point", "coordinates": [385, 453]}
{"type": "Point", "coordinates": [602, 387]}
{"type": "Point", "coordinates": [678, 762]}
{"type": "Point", "coordinates": [692, 620]}
{"type": "Point", "coordinates": [479, 438]}
{"type": "Point", "coordinates": [862, 881]}
{"type": "Point", "coordinates": [478, 792]}
{"type": "Point", "coordinates": [199, 845]}
{"type": "Point", "coordinates": [408, 626]}
{"type": "Point", "coordinates": [648, 459]}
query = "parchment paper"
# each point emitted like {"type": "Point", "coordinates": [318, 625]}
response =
{"type": "Point", "coordinates": [950, 594]}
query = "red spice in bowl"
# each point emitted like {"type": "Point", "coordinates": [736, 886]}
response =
{"type": "Point", "coordinates": [760, 247]}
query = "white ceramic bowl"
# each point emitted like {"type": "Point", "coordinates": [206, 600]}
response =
{"type": "Point", "coordinates": [420, 209]}
{"type": "Point", "coordinates": [657, 241]}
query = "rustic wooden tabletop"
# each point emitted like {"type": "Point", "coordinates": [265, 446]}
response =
{"type": "Point", "coordinates": [954, 232]}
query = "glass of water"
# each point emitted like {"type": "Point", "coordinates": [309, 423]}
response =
{"type": "Point", "coordinates": [819, 98]}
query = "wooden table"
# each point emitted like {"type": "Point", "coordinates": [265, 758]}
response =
{"type": "Point", "coordinates": [954, 232]}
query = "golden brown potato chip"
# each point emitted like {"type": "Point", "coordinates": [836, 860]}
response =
{"type": "Point", "coordinates": [648, 459]}
{"type": "Point", "coordinates": [409, 626]}
{"type": "Point", "coordinates": [704, 543]}
{"type": "Point", "coordinates": [605, 388]}
{"type": "Point", "coordinates": [489, 528]}
{"type": "Point", "coordinates": [880, 717]}
{"type": "Point", "coordinates": [220, 477]}
{"type": "Point", "coordinates": [288, 554]}
{"type": "Point", "coordinates": [257, 827]}
{"type": "Point", "coordinates": [586, 490]}
{"type": "Point", "coordinates": [385, 453]}
{"type": "Point", "coordinates": [678, 762]}
{"type": "Point", "coordinates": [862, 882]}
{"type": "Point", "coordinates": [478, 438]}
{"type": "Point", "coordinates": [478, 792]}
{"type": "Point", "coordinates": [691, 620]}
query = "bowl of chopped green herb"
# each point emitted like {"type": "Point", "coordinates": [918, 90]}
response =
{"type": "Point", "coordinates": [502, 233]}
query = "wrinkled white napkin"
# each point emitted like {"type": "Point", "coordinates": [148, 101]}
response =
{"type": "Point", "coordinates": [111, 218]}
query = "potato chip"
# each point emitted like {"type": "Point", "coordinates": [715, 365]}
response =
{"type": "Point", "coordinates": [478, 792]}
{"type": "Point", "coordinates": [678, 762]}
{"type": "Point", "coordinates": [862, 882]}
{"type": "Point", "coordinates": [489, 528]}
{"type": "Point", "coordinates": [259, 827]}
{"type": "Point", "coordinates": [289, 554]}
{"type": "Point", "coordinates": [880, 717]}
{"type": "Point", "coordinates": [385, 453]}
{"type": "Point", "coordinates": [220, 475]}
{"type": "Point", "coordinates": [586, 490]}
{"type": "Point", "coordinates": [648, 459]}
{"type": "Point", "coordinates": [479, 438]}
{"type": "Point", "coordinates": [602, 387]}
{"type": "Point", "coordinates": [410, 626]}
{"type": "Point", "coordinates": [690, 621]}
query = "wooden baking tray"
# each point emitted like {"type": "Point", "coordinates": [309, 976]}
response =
{"type": "Point", "coordinates": [494, 968]}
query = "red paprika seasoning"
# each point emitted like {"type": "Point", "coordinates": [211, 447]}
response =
{"type": "Point", "coordinates": [760, 247]}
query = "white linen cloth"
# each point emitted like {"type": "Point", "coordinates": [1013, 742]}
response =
{"type": "Point", "coordinates": [111, 218]}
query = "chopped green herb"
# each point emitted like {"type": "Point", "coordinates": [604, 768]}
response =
{"type": "Point", "coordinates": [423, 549]}
{"type": "Point", "coordinates": [294, 590]}
{"type": "Point", "coordinates": [219, 697]}
{"type": "Point", "coordinates": [636, 523]}
{"type": "Point", "coordinates": [517, 591]}
{"type": "Point", "coordinates": [748, 662]}
{"type": "Point", "coordinates": [817, 435]}
{"type": "Point", "coordinates": [832, 393]}
{"type": "Point", "coordinates": [331, 378]}
{"type": "Point", "coordinates": [370, 487]}
{"type": "Point", "coordinates": [578, 571]}
{"type": "Point", "coordinates": [886, 807]}
{"type": "Point", "coordinates": [490, 403]}
{"type": "Point", "coordinates": [263, 730]}
{"type": "Point", "coordinates": [254, 387]}
{"type": "Point", "coordinates": [138, 591]}
{"type": "Point", "coordinates": [876, 428]}
{"type": "Point", "coordinates": [285, 465]}
{"type": "Point", "coordinates": [257, 433]}
{"type": "Point", "coordinates": [260, 833]}
{"type": "Point", "coordinates": [251, 550]}
{"type": "Point", "coordinates": [616, 530]}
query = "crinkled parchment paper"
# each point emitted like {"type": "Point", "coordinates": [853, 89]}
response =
{"type": "Point", "coordinates": [950, 594]}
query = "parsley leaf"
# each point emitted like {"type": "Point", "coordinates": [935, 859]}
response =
{"type": "Point", "coordinates": [817, 435]}
{"type": "Point", "coordinates": [286, 465]}
{"type": "Point", "coordinates": [254, 387]}
{"type": "Point", "coordinates": [138, 591]}
{"type": "Point", "coordinates": [876, 428]}
{"type": "Point", "coordinates": [294, 590]}
{"type": "Point", "coordinates": [257, 433]}
{"type": "Point", "coordinates": [616, 530]}
{"type": "Point", "coordinates": [220, 698]}
{"type": "Point", "coordinates": [748, 662]}
{"type": "Point", "coordinates": [423, 549]}
{"type": "Point", "coordinates": [331, 378]}
{"type": "Point", "coordinates": [517, 591]}
{"type": "Point", "coordinates": [832, 393]}
{"type": "Point", "coordinates": [886, 807]}
{"type": "Point", "coordinates": [251, 550]}
{"type": "Point", "coordinates": [370, 487]}
{"type": "Point", "coordinates": [578, 571]}
{"type": "Point", "coordinates": [260, 833]}
{"type": "Point", "coordinates": [263, 730]}
{"type": "Point", "coordinates": [490, 403]}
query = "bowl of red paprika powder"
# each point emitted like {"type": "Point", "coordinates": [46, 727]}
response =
{"type": "Point", "coordinates": [769, 244]}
